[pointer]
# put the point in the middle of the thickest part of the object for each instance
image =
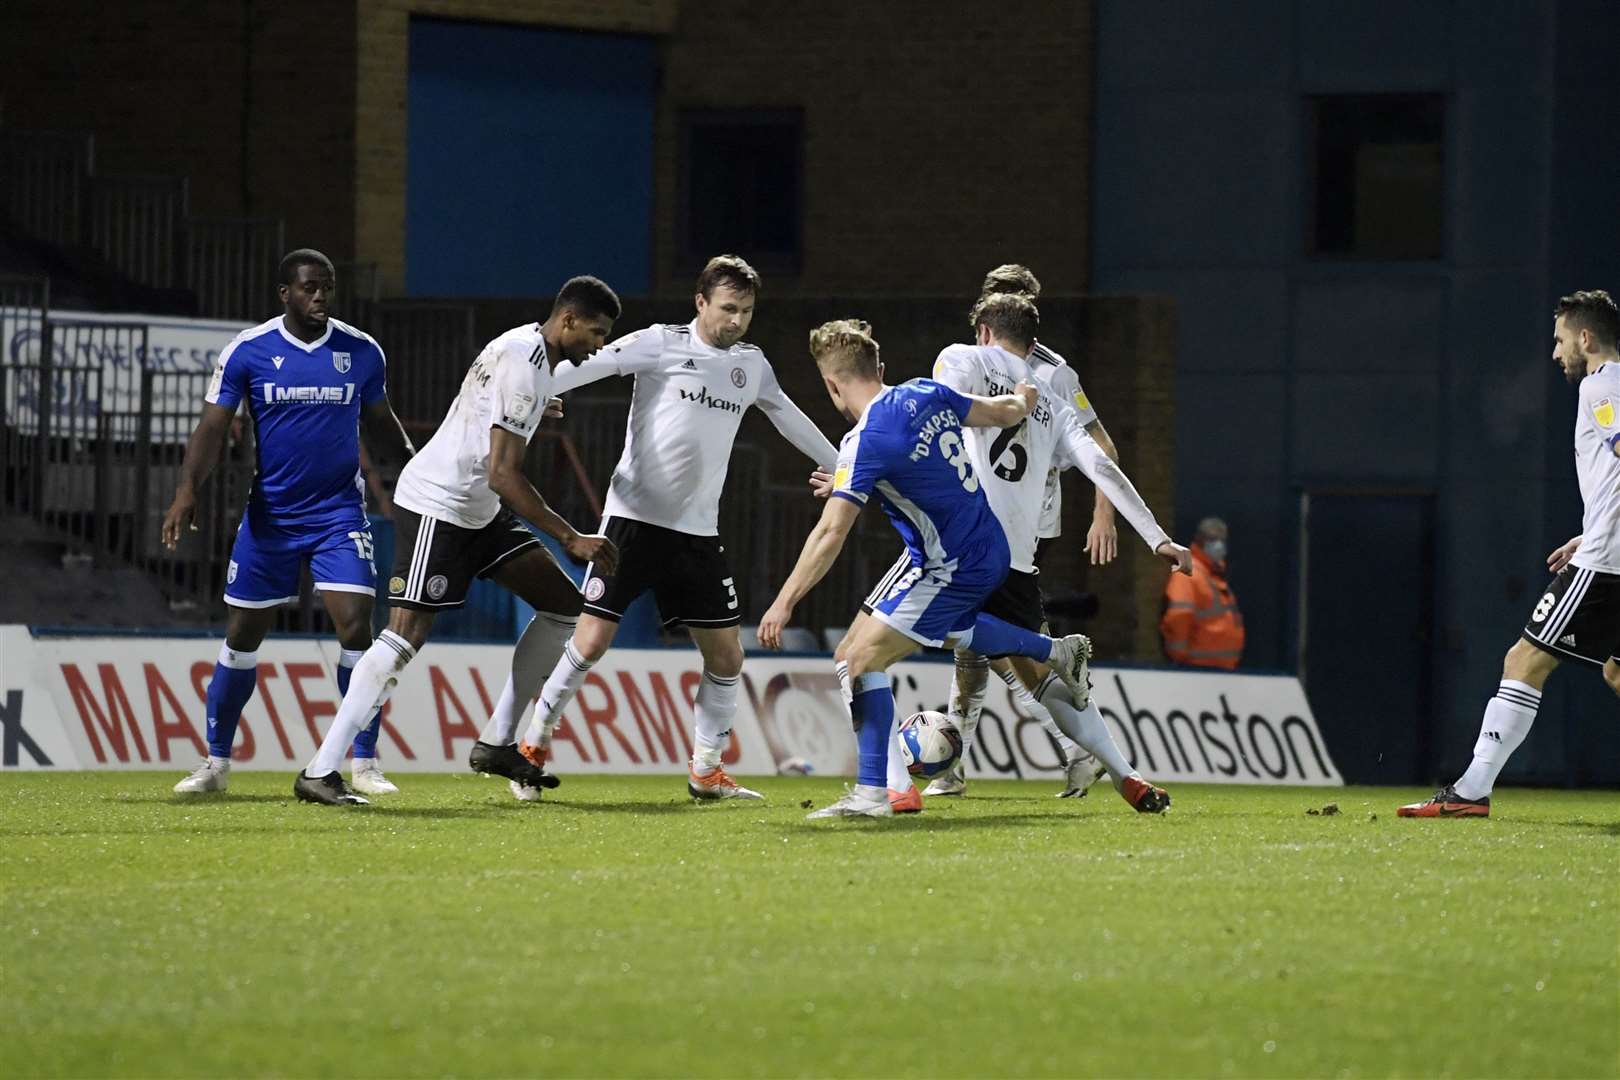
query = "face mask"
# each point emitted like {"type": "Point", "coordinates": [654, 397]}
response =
{"type": "Point", "coordinates": [1216, 550]}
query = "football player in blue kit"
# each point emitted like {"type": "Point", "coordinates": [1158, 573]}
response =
{"type": "Point", "coordinates": [907, 447]}
{"type": "Point", "coordinates": [309, 382]}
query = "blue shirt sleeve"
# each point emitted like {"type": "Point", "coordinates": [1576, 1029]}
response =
{"type": "Point", "coordinates": [860, 463]}
{"type": "Point", "coordinates": [230, 382]}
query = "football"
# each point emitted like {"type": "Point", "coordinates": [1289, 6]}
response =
{"type": "Point", "coordinates": [930, 742]}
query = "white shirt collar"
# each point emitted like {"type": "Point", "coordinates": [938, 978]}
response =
{"type": "Point", "coordinates": [307, 346]}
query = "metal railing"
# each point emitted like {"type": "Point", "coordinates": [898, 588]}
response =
{"type": "Point", "coordinates": [429, 348]}
{"type": "Point", "coordinates": [44, 176]}
{"type": "Point", "coordinates": [231, 264]}
{"type": "Point", "coordinates": [135, 222]}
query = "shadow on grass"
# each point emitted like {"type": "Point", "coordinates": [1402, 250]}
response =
{"type": "Point", "coordinates": [1608, 828]}
{"type": "Point", "coordinates": [216, 798]}
{"type": "Point", "coordinates": [641, 806]}
{"type": "Point", "coordinates": [918, 823]}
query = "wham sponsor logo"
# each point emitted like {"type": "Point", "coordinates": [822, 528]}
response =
{"type": "Point", "coordinates": [701, 396]}
{"type": "Point", "coordinates": [276, 394]}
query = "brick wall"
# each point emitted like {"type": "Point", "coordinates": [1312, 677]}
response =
{"type": "Point", "coordinates": [252, 101]}
{"type": "Point", "coordinates": [939, 134]}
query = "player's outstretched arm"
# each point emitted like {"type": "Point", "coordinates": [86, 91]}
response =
{"type": "Point", "coordinates": [1003, 411]}
{"type": "Point", "coordinates": [821, 549]}
{"type": "Point", "coordinates": [507, 480]}
{"type": "Point", "coordinates": [1078, 450]}
{"type": "Point", "coordinates": [790, 420]}
{"type": "Point", "coordinates": [202, 451]}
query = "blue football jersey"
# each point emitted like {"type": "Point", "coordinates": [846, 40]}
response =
{"type": "Point", "coordinates": [305, 400]}
{"type": "Point", "coordinates": [908, 448]}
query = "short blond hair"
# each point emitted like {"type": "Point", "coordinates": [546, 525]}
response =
{"type": "Point", "coordinates": [845, 347]}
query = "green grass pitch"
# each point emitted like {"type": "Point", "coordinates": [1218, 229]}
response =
{"type": "Point", "coordinates": [620, 930]}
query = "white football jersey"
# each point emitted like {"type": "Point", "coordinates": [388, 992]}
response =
{"type": "Point", "coordinates": [1012, 463]}
{"type": "Point", "coordinates": [687, 404]}
{"type": "Point", "coordinates": [1050, 368]}
{"type": "Point", "coordinates": [1597, 434]}
{"type": "Point", "coordinates": [507, 386]}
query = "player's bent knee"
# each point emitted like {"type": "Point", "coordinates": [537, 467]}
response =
{"type": "Point", "coordinates": [593, 636]}
{"type": "Point", "coordinates": [1526, 663]}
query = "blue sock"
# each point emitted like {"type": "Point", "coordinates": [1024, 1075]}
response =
{"type": "Point", "coordinates": [995, 637]}
{"type": "Point", "coordinates": [236, 674]}
{"type": "Point", "coordinates": [873, 711]}
{"type": "Point", "coordinates": [365, 743]}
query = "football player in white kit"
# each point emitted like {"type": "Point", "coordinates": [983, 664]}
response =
{"type": "Point", "coordinates": [456, 513]}
{"type": "Point", "coordinates": [1015, 465]}
{"type": "Point", "coordinates": [1080, 769]}
{"type": "Point", "coordinates": [1578, 615]}
{"type": "Point", "coordinates": [693, 384]}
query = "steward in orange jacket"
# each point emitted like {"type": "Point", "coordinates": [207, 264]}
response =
{"type": "Point", "coordinates": [1202, 626]}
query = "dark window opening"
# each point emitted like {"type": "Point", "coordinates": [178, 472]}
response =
{"type": "Point", "coordinates": [1379, 176]}
{"type": "Point", "coordinates": [741, 187]}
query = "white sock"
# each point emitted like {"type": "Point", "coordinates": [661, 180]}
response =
{"type": "Point", "coordinates": [533, 658]}
{"type": "Point", "coordinates": [969, 679]}
{"type": "Point", "coordinates": [1042, 715]}
{"type": "Point", "coordinates": [899, 775]}
{"type": "Point", "coordinates": [373, 677]}
{"type": "Point", "coordinates": [1508, 717]}
{"type": "Point", "coordinates": [220, 762]}
{"type": "Point", "coordinates": [1086, 727]}
{"type": "Point", "coordinates": [716, 709]}
{"type": "Point", "coordinates": [561, 686]}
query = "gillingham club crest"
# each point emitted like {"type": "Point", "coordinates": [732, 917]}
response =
{"type": "Point", "coordinates": [340, 360]}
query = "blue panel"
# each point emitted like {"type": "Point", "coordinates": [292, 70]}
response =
{"type": "Point", "coordinates": [1499, 214]}
{"type": "Point", "coordinates": [1374, 45]}
{"type": "Point", "coordinates": [1367, 323]}
{"type": "Point", "coordinates": [1167, 44]}
{"type": "Point", "coordinates": [1234, 423]}
{"type": "Point", "coordinates": [530, 159]}
{"type": "Point", "coordinates": [1194, 178]}
{"type": "Point", "coordinates": [1227, 321]}
{"type": "Point", "coordinates": [1501, 360]}
{"type": "Point", "coordinates": [1501, 42]}
{"type": "Point", "coordinates": [1367, 427]}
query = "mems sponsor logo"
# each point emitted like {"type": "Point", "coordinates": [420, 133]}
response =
{"type": "Point", "coordinates": [276, 394]}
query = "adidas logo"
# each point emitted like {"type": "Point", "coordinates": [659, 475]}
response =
{"type": "Point", "coordinates": [1567, 639]}
{"type": "Point", "coordinates": [1494, 736]}
{"type": "Point", "coordinates": [690, 365]}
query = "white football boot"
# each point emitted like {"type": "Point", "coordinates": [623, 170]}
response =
{"type": "Point", "coordinates": [857, 802]}
{"type": "Point", "coordinates": [366, 776]}
{"type": "Point", "coordinates": [1079, 775]}
{"type": "Point", "coordinates": [523, 792]}
{"type": "Point", "coordinates": [214, 774]}
{"type": "Point", "coordinates": [952, 781]}
{"type": "Point", "coordinates": [1071, 657]}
